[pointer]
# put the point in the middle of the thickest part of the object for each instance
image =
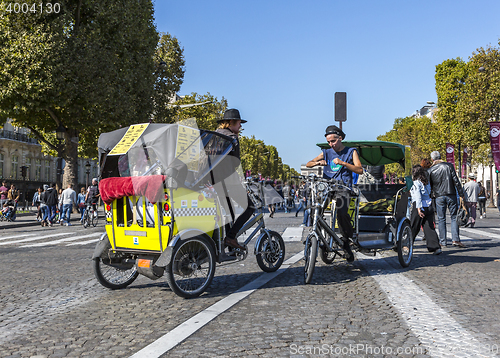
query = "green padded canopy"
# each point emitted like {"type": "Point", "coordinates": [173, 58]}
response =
{"type": "Point", "coordinates": [375, 152]}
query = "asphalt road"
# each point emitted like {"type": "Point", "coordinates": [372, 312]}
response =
{"type": "Point", "coordinates": [441, 306]}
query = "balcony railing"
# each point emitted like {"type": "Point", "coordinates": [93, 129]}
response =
{"type": "Point", "coordinates": [17, 136]}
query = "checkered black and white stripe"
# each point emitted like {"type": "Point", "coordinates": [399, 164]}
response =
{"type": "Point", "coordinates": [195, 212]}
{"type": "Point", "coordinates": [165, 213]}
{"type": "Point", "coordinates": [109, 215]}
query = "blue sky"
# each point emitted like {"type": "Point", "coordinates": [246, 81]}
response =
{"type": "Point", "coordinates": [280, 62]}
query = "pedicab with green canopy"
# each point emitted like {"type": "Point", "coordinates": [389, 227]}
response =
{"type": "Point", "coordinates": [379, 211]}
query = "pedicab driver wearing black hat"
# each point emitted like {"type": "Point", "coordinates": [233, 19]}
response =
{"type": "Point", "coordinates": [339, 163]}
{"type": "Point", "coordinates": [230, 125]}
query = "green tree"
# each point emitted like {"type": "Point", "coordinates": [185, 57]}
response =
{"type": "Point", "coordinates": [420, 133]}
{"type": "Point", "coordinates": [169, 75]}
{"type": "Point", "coordinates": [480, 102]}
{"type": "Point", "coordinates": [206, 114]}
{"type": "Point", "coordinates": [89, 68]}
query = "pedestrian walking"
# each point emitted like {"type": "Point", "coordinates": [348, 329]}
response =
{"type": "Point", "coordinates": [80, 200]}
{"type": "Point", "coordinates": [498, 198]}
{"type": "Point", "coordinates": [59, 205]}
{"type": "Point", "coordinates": [472, 190]}
{"type": "Point", "coordinates": [286, 196]}
{"type": "Point", "coordinates": [4, 189]}
{"type": "Point", "coordinates": [43, 206]}
{"type": "Point", "coordinates": [445, 186]}
{"type": "Point", "coordinates": [422, 214]}
{"type": "Point", "coordinates": [68, 198]}
{"type": "Point", "coordinates": [36, 202]}
{"type": "Point", "coordinates": [481, 201]}
{"type": "Point", "coordinates": [51, 201]}
{"type": "Point", "coordinates": [301, 197]}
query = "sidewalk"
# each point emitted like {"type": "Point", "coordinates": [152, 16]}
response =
{"type": "Point", "coordinates": [29, 219]}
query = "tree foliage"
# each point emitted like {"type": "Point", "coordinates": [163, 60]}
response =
{"type": "Point", "coordinates": [206, 115]}
{"type": "Point", "coordinates": [468, 98]}
{"type": "Point", "coordinates": [90, 68]}
{"type": "Point", "coordinates": [259, 158]}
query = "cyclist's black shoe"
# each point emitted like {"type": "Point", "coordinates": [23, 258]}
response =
{"type": "Point", "coordinates": [349, 255]}
{"type": "Point", "coordinates": [233, 243]}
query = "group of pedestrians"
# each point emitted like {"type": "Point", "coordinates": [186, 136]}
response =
{"type": "Point", "coordinates": [9, 196]}
{"type": "Point", "coordinates": [50, 203]}
{"type": "Point", "coordinates": [436, 189]}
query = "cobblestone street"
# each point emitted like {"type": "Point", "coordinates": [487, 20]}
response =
{"type": "Point", "coordinates": [441, 306]}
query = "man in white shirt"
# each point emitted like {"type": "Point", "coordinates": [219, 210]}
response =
{"type": "Point", "coordinates": [68, 198]}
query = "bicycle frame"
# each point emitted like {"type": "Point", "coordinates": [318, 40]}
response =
{"type": "Point", "coordinates": [257, 219]}
{"type": "Point", "coordinates": [320, 223]}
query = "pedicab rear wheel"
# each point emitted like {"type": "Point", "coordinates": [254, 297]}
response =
{"type": "Point", "coordinates": [192, 267]}
{"type": "Point", "coordinates": [405, 244]}
{"type": "Point", "coordinates": [270, 252]}
{"type": "Point", "coordinates": [111, 271]}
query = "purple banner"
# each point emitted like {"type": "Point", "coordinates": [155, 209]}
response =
{"type": "Point", "coordinates": [450, 153]}
{"type": "Point", "coordinates": [495, 142]}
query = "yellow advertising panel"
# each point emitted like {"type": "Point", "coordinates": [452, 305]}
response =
{"type": "Point", "coordinates": [128, 140]}
{"type": "Point", "coordinates": [188, 137]}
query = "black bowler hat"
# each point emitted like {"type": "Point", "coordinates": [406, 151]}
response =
{"type": "Point", "coordinates": [334, 130]}
{"type": "Point", "coordinates": [232, 114]}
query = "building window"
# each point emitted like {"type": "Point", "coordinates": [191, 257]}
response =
{"type": "Point", "coordinates": [14, 172]}
{"type": "Point", "coordinates": [1, 165]}
{"type": "Point", "coordinates": [38, 169]}
{"type": "Point", "coordinates": [46, 168]}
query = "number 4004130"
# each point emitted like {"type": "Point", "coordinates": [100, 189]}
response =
{"type": "Point", "coordinates": [25, 8]}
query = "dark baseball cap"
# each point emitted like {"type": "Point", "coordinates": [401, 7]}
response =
{"type": "Point", "coordinates": [334, 130]}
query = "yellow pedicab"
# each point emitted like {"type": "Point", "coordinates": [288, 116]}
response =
{"type": "Point", "coordinates": [170, 193]}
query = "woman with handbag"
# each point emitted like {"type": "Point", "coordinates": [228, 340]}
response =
{"type": "Point", "coordinates": [422, 214]}
{"type": "Point", "coordinates": [36, 202]}
{"type": "Point", "coordinates": [80, 201]}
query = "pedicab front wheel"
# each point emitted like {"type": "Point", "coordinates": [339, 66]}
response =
{"type": "Point", "coordinates": [310, 253]}
{"type": "Point", "coordinates": [192, 267]}
{"type": "Point", "coordinates": [270, 252]}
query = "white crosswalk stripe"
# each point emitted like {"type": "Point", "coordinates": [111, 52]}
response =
{"type": "Point", "coordinates": [35, 238]}
{"type": "Point", "coordinates": [292, 233]}
{"type": "Point", "coordinates": [54, 242]}
{"type": "Point", "coordinates": [481, 232]}
{"type": "Point", "coordinates": [15, 236]}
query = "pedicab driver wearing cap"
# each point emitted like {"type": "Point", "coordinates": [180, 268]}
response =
{"type": "Point", "coordinates": [230, 125]}
{"type": "Point", "coordinates": [339, 163]}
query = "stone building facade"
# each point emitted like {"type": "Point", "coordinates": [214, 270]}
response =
{"type": "Point", "coordinates": [18, 149]}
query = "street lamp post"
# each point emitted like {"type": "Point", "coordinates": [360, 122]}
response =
{"type": "Point", "coordinates": [87, 171]}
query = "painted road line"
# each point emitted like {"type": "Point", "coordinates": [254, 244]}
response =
{"type": "Point", "coordinates": [34, 238]}
{"type": "Point", "coordinates": [186, 329]}
{"type": "Point", "coordinates": [74, 238]}
{"type": "Point", "coordinates": [84, 242]}
{"type": "Point", "coordinates": [462, 237]}
{"type": "Point", "coordinates": [292, 233]}
{"type": "Point", "coordinates": [16, 236]}
{"type": "Point", "coordinates": [482, 232]}
{"type": "Point", "coordinates": [441, 335]}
